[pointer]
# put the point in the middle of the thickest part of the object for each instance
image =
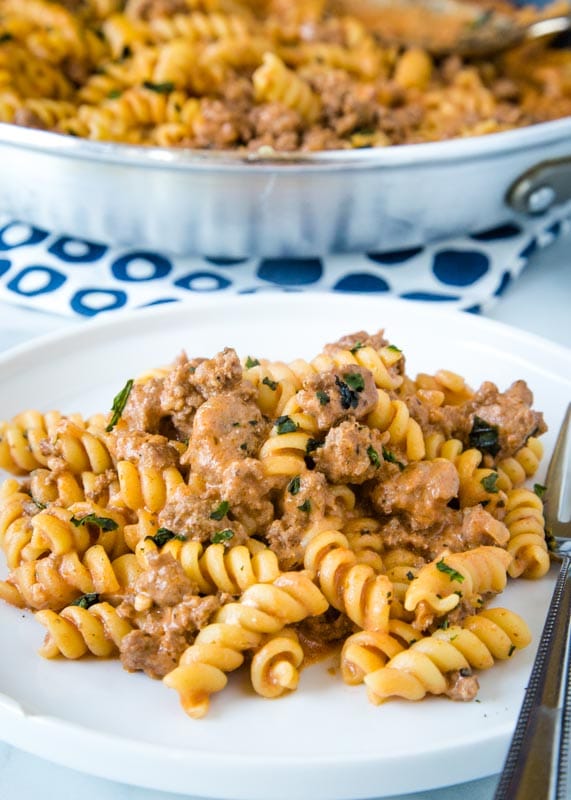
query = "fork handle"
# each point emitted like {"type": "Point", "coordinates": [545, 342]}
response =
{"type": "Point", "coordinates": [532, 770]}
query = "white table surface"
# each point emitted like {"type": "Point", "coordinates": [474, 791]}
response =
{"type": "Point", "coordinates": [539, 302]}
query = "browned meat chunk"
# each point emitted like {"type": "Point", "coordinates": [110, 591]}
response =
{"type": "Point", "coordinates": [245, 487]}
{"type": "Point", "coordinates": [154, 655]}
{"type": "Point", "coordinates": [179, 399]}
{"type": "Point", "coordinates": [462, 686]}
{"type": "Point", "coordinates": [143, 411]}
{"type": "Point", "coordinates": [510, 412]}
{"type": "Point", "coordinates": [420, 492]}
{"type": "Point", "coordinates": [351, 340]}
{"type": "Point", "coordinates": [218, 375]}
{"type": "Point", "coordinates": [151, 451]}
{"type": "Point", "coordinates": [339, 394]}
{"type": "Point", "coordinates": [351, 453]}
{"type": "Point", "coordinates": [226, 428]}
{"type": "Point", "coordinates": [165, 581]}
{"type": "Point", "coordinates": [200, 518]}
{"type": "Point", "coordinates": [306, 501]}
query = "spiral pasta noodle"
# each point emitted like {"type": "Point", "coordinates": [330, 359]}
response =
{"type": "Point", "coordinates": [274, 668]}
{"type": "Point", "coordinates": [218, 648]}
{"type": "Point", "coordinates": [426, 667]}
{"type": "Point", "coordinates": [349, 586]}
{"type": "Point", "coordinates": [524, 520]}
{"type": "Point", "coordinates": [76, 631]}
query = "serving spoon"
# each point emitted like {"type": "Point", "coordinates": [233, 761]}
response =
{"type": "Point", "coordinates": [444, 27]}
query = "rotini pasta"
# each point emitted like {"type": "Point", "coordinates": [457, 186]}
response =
{"type": "Point", "coordinates": [249, 76]}
{"type": "Point", "coordinates": [229, 512]}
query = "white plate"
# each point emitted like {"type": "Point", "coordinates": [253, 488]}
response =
{"type": "Point", "coordinates": [325, 740]}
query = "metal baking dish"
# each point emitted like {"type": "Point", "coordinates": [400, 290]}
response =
{"type": "Point", "coordinates": [230, 205]}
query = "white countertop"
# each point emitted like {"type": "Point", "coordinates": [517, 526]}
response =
{"type": "Point", "coordinates": [539, 302]}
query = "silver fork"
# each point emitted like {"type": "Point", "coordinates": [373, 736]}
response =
{"type": "Point", "coordinates": [537, 761]}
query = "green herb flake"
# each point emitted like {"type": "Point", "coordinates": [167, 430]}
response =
{"type": "Point", "coordinates": [86, 600]}
{"type": "Point", "coordinates": [391, 458]}
{"type": "Point", "coordinates": [442, 566]}
{"type": "Point", "coordinates": [394, 349]}
{"type": "Point", "coordinates": [355, 381]}
{"type": "Point", "coordinates": [294, 485]}
{"type": "Point", "coordinates": [105, 523]}
{"type": "Point", "coordinates": [539, 489]}
{"type": "Point", "coordinates": [489, 483]}
{"type": "Point", "coordinates": [373, 456]}
{"type": "Point", "coordinates": [221, 510]}
{"type": "Point", "coordinates": [119, 403]}
{"type": "Point", "coordinates": [445, 624]}
{"type": "Point", "coordinates": [163, 535]}
{"type": "Point", "coordinates": [305, 506]}
{"type": "Point", "coordinates": [313, 444]}
{"type": "Point", "coordinates": [358, 345]}
{"type": "Point", "coordinates": [5, 37]}
{"type": "Point", "coordinates": [37, 503]}
{"type": "Point", "coordinates": [114, 94]}
{"type": "Point", "coordinates": [512, 651]}
{"type": "Point", "coordinates": [252, 362]}
{"type": "Point", "coordinates": [323, 397]}
{"type": "Point", "coordinates": [269, 382]}
{"type": "Point", "coordinates": [410, 575]}
{"type": "Point", "coordinates": [285, 424]}
{"type": "Point", "coordinates": [221, 537]}
{"type": "Point", "coordinates": [160, 88]}
{"type": "Point", "coordinates": [484, 436]}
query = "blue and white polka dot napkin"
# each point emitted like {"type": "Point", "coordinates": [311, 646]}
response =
{"type": "Point", "coordinates": [64, 275]}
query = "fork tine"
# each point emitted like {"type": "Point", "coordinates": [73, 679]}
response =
{"type": "Point", "coordinates": [556, 478]}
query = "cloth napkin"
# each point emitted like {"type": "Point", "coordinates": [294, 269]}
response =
{"type": "Point", "coordinates": [58, 273]}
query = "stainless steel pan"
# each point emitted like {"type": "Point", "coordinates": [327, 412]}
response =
{"type": "Point", "coordinates": [231, 205]}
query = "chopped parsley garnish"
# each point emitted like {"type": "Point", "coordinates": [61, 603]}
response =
{"type": "Point", "coordinates": [373, 456]}
{"type": "Point", "coordinates": [294, 485]}
{"type": "Point", "coordinates": [442, 566]}
{"type": "Point", "coordinates": [221, 537]}
{"type": "Point", "coordinates": [105, 523]}
{"type": "Point", "coordinates": [539, 489]}
{"type": "Point", "coordinates": [285, 424]}
{"type": "Point", "coordinates": [323, 397]}
{"type": "Point", "coordinates": [355, 380]}
{"type": "Point", "coordinates": [163, 535]}
{"type": "Point", "coordinates": [489, 482]}
{"type": "Point", "coordinates": [313, 444]}
{"type": "Point", "coordinates": [512, 651]}
{"type": "Point", "coordinates": [252, 362]}
{"type": "Point", "coordinates": [349, 397]}
{"type": "Point", "coordinates": [269, 382]}
{"type": "Point", "coordinates": [114, 94]}
{"type": "Point", "coordinates": [484, 436]}
{"type": "Point", "coordinates": [86, 600]}
{"type": "Point", "coordinates": [119, 403]}
{"type": "Point", "coordinates": [394, 349]}
{"type": "Point", "coordinates": [221, 510]}
{"type": "Point", "coordinates": [159, 88]}
{"type": "Point", "coordinates": [389, 456]}
{"type": "Point", "coordinates": [5, 37]}
{"type": "Point", "coordinates": [37, 503]}
{"type": "Point", "coordinates": [445, 624]}
{"type": "Point", "coordinates": [305, 506]}
{"type": "Point", "coordinates": [410, 575]}
{"type": "Point", "coordinates": [481, 20]}
{"type": "Point", "coordinates": [358, 345]}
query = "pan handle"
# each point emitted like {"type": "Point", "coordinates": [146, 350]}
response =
{"type": "Point", "coordinates": [541, 187]}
